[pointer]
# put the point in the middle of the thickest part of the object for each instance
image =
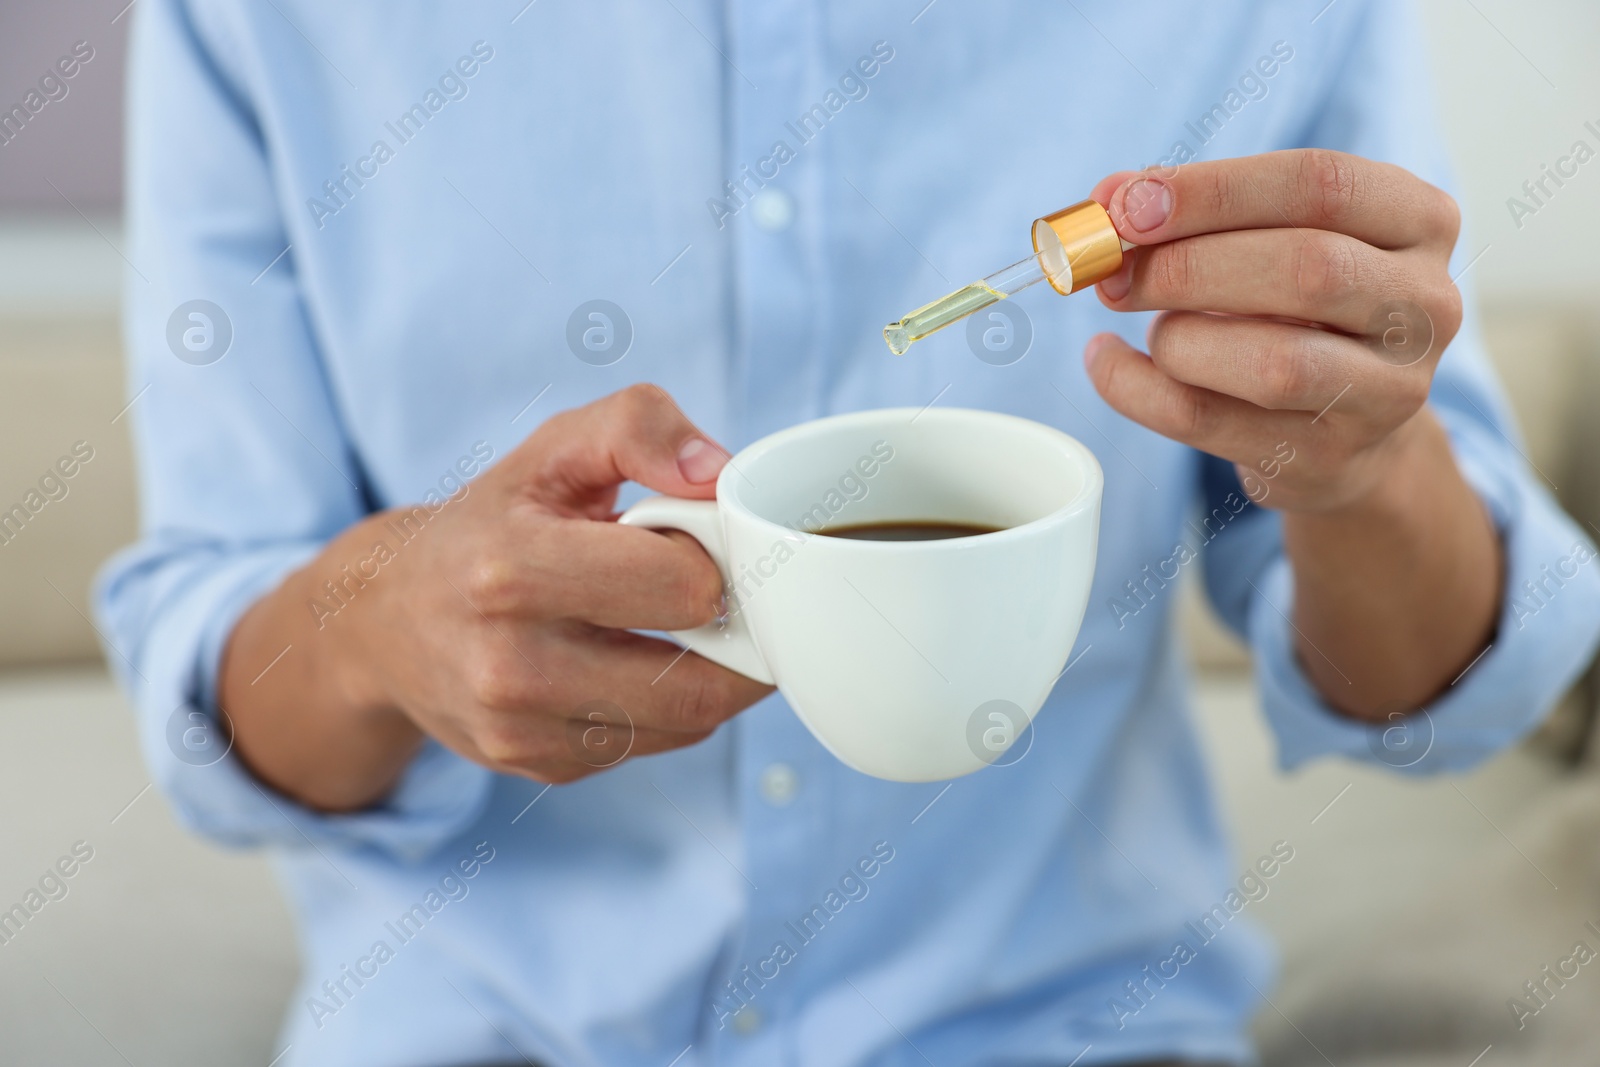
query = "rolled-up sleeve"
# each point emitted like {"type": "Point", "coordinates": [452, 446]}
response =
{"type": "Point", "coordinates": [245, 470]}
{"type": "Point", "coordinates": [1549, 622]}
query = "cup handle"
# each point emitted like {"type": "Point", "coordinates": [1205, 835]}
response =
{"type": "Point", "coordinates": [726, 641]}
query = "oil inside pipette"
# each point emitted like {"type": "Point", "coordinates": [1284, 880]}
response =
{"type": "Point", "coordinates": [937, 315]}
{"type": "Point", "coordinates": [963, 302]}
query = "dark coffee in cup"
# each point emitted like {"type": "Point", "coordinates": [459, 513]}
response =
{"type": "Point", "coordinates": [908, 531]}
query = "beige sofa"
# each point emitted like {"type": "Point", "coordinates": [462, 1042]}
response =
{"type": "Point", "coordinates": [60, 383]}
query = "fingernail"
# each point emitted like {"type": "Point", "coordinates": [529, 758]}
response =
{"type": "Point", "coordinates": [1146, 203]}
{"type": "Point", "coordinates": [700, 461]}
{"type": "Point", "coordinates": [1116, 287]}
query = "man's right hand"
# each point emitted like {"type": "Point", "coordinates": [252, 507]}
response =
{"type": "Point", "coordinates": [501, 628]}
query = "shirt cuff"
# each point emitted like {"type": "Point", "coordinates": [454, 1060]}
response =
{"type": "Point", "coordinates": [167, 623]}
{"type": "Point", "coordinates": [1548, 625]}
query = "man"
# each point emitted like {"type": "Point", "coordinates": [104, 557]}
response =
{"type": "Point", "coordinates": [436, 246]}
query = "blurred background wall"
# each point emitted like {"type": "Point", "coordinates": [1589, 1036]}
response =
{"type": "Point", "coordinates": [80, 154]}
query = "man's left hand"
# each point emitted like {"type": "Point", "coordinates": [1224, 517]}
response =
{"type": "Point", "coordinates": [1305, 298]}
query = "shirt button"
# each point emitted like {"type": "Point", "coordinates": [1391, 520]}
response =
{"type": "Point", "coordinates": [747, 1022]}
{"type": "Point", "coordinates": [779, 784]}
{"type": "Point", "coordinates": [772, 210]}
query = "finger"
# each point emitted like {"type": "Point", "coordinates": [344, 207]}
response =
{"type": "Point", "coordinates": [662, 686]}
{"type": "Point", "coordinates": [1278, 365]}
{"type": "Point", "coordinates": [1311, 275]}
{"type": "Point", "coordinates": [524, 677]}
{"type": "Point", "coordinates": [588, 746]}
{"type": "Point", "coordinates": [1381, 204]}
{"type": "Point", "coordinates": [533, 730]}
{"type": "Point", "coordinates": [1212, 422]}
{"type": "Point", "coordinates": [577, 458]}
{"type": "Point", "coordinates": [557, 754]}
{"type": "Point", "coordinates": [601, 572]}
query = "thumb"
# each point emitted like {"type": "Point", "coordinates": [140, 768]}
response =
{"type": "Point", "coordinates": [637, 434]}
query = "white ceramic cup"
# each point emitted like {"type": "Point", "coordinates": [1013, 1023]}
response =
{"type": "Point", "coordinates": [909, 660]}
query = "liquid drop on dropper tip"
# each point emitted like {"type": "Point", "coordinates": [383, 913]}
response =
{"type": "Point", "coordinates": [896, 337]}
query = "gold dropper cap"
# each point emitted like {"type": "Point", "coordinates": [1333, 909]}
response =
{"type": "Point", "coordinates": [1077, 247]}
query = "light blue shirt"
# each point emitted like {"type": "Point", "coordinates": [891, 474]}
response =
{"type": "Point", "coordinates": [759, 186]}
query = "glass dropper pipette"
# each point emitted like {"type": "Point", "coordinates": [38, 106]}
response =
{"type": "Point", "coordinates": [961, 303]}
{"type": "Point", "coordinates": [1072, 249]}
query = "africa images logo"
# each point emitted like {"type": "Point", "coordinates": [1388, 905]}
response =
{"type": "Point", "coordinates": [199, 332]}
